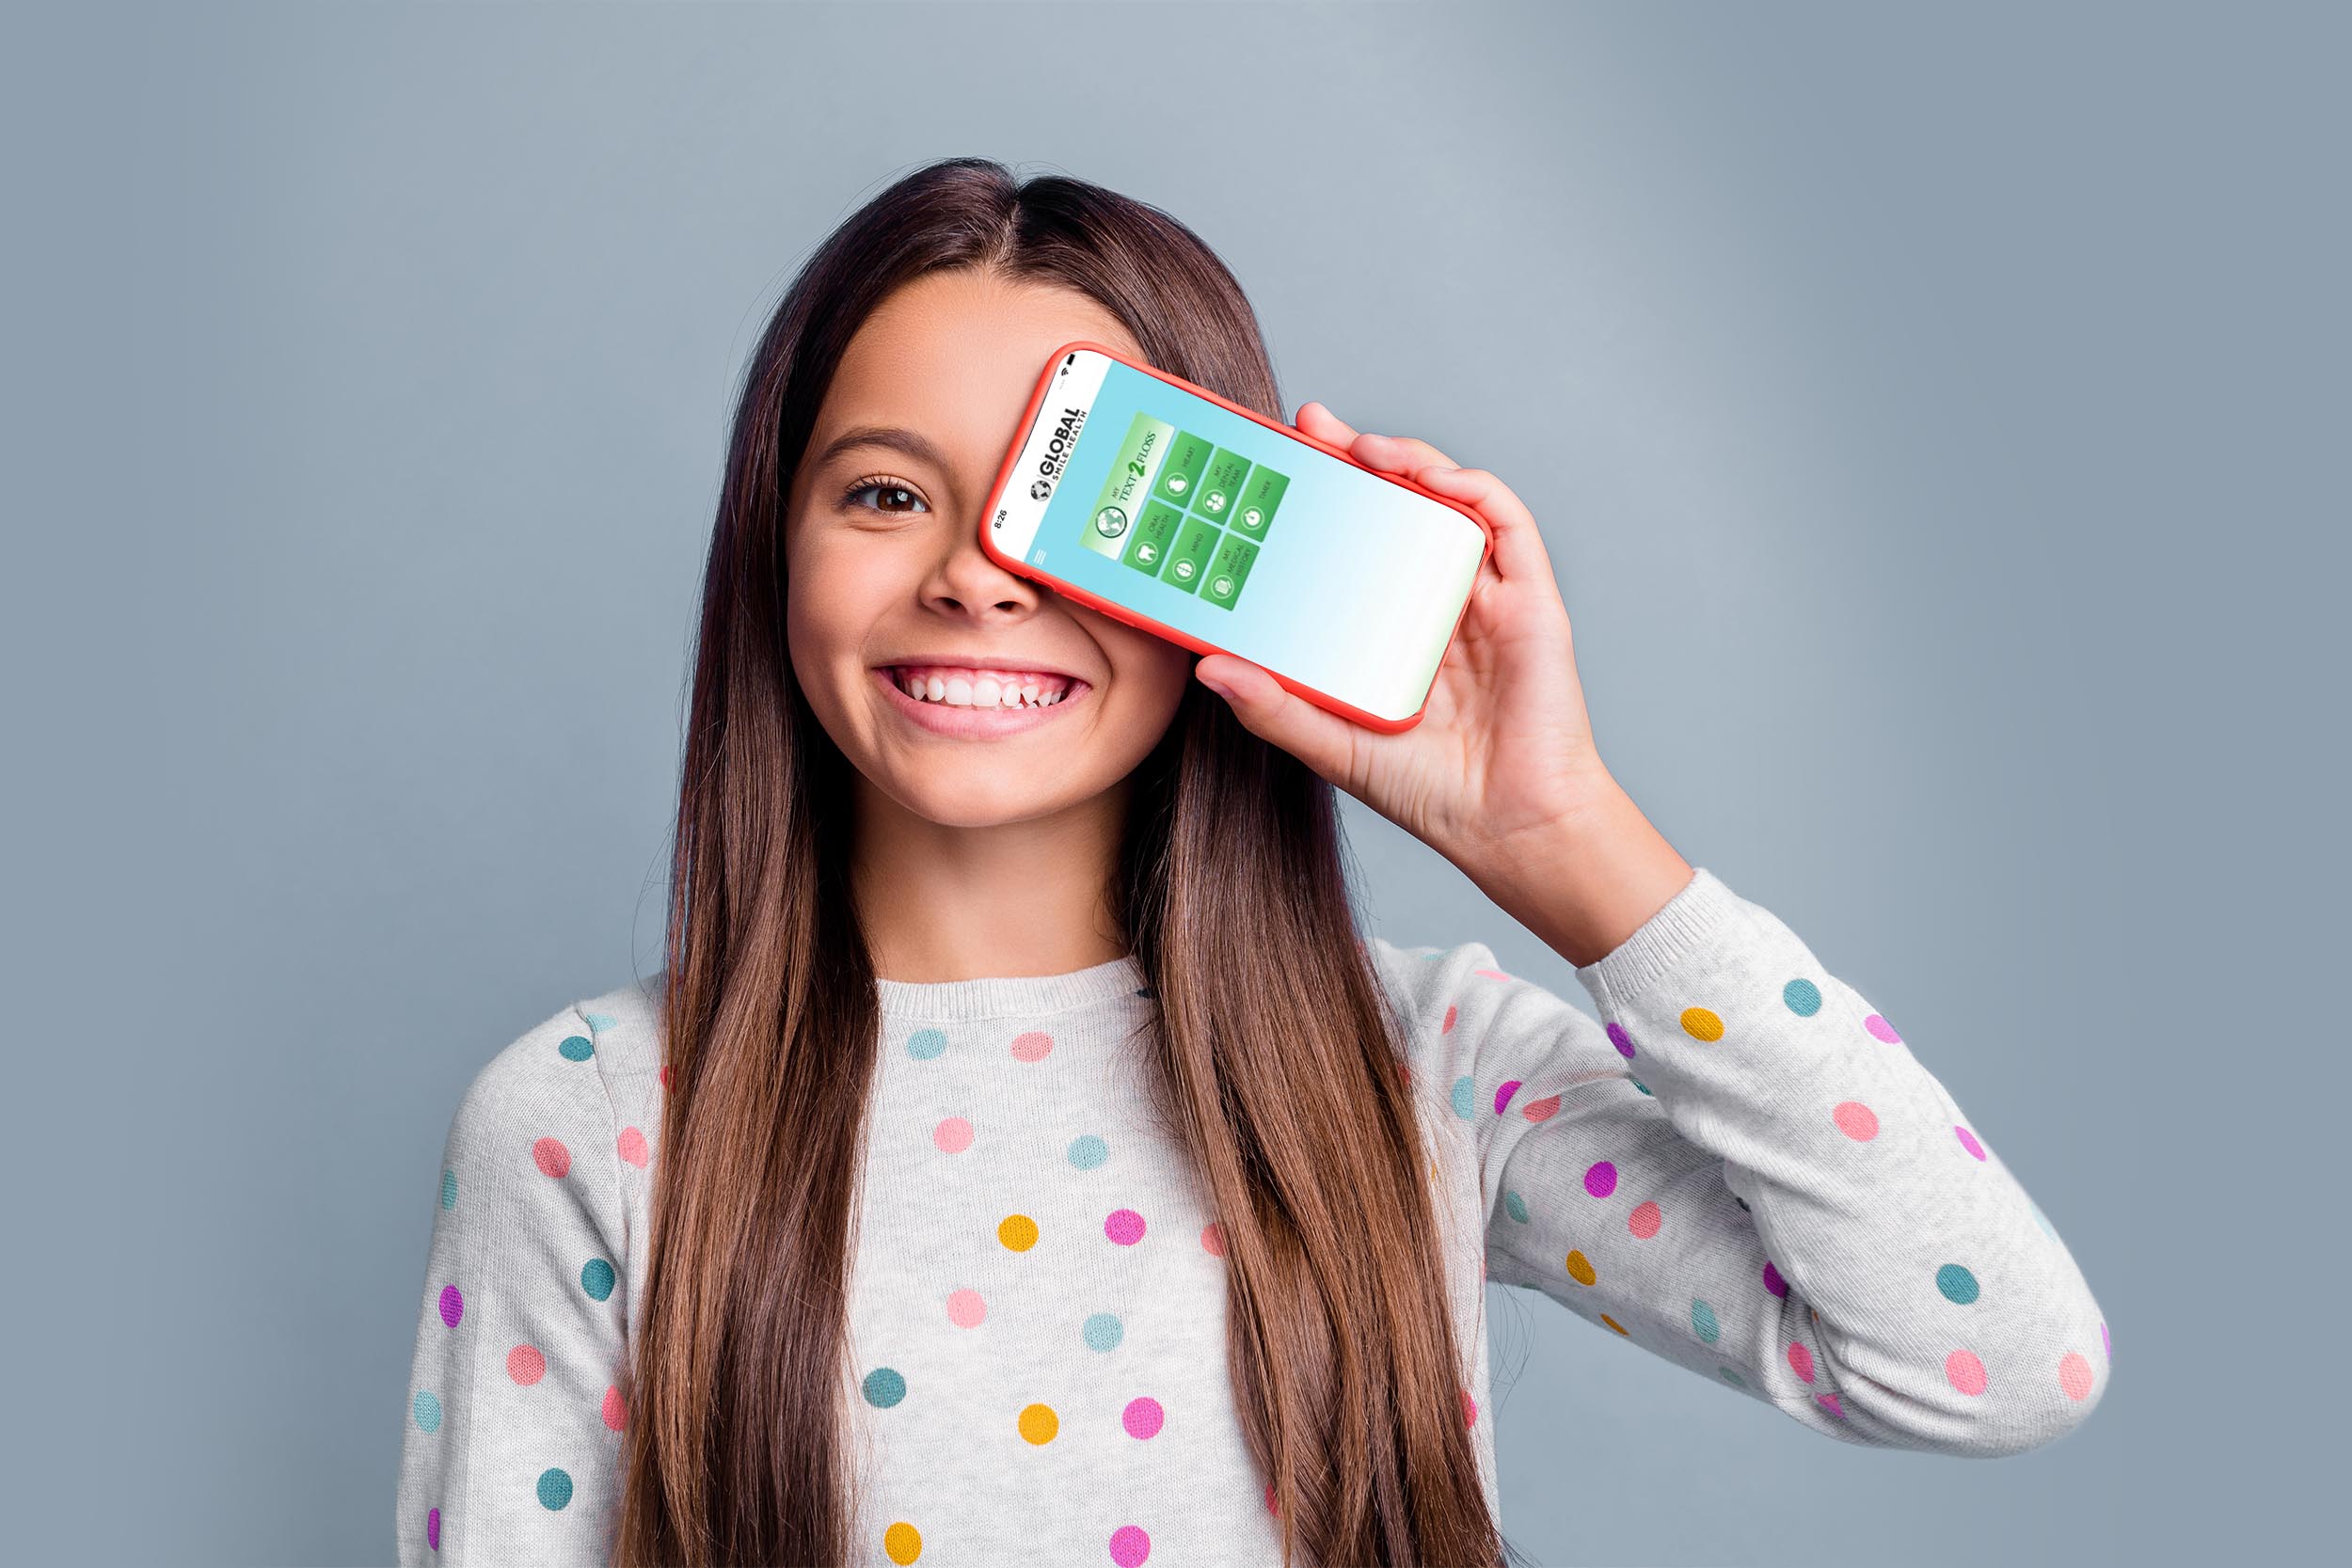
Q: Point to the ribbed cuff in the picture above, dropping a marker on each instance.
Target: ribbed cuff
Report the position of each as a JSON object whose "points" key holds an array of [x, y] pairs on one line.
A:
{"points": [[1691, 918]]}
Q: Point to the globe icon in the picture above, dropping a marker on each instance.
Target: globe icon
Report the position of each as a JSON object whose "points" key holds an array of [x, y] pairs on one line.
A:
{"points": [[1110, 522]]}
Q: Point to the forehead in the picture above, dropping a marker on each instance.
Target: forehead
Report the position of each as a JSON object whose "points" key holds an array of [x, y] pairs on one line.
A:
{"points": [[954, 356]]}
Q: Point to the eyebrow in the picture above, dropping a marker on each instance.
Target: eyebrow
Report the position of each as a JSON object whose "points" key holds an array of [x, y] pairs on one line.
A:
{"points": [[912, 443]]}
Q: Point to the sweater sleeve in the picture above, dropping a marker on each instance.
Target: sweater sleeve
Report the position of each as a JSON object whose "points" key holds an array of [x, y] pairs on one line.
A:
{"points": [[1746, 1171], [511, 1448]]}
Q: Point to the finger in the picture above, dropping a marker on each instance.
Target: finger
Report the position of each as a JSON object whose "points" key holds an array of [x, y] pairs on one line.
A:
{"points": [[1519, 553], [1269, 710], [1399, 454], [1324, 425]]}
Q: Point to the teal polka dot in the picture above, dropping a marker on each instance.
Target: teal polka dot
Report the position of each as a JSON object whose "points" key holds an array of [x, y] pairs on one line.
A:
{"points": [[1703, 1321], [1733, 1378], [1802, 996], [576, 1047], [1087, 1152], [1644, 1087], [449, 1189], [885, 1387], [1957, 1284], [597, 1278], [599, 1021], [555, 1488], [1515, 1205], [926, 1044], [1104, 1331], [428, 1411], [1465, 1098]]}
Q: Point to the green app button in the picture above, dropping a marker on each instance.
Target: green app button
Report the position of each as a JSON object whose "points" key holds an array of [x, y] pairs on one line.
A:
{"points": [[1187, 561], [1126, 490], [1147, 548], [1180, 471], [1221, 486], [1259, 497], [1221, 584]]}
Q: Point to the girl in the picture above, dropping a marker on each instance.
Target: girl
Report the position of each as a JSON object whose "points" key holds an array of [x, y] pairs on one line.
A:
{"points": [[1022, 1158]]}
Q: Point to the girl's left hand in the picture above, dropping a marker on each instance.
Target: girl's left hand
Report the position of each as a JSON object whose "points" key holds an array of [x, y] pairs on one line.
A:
{"points": [[1503, 746]]}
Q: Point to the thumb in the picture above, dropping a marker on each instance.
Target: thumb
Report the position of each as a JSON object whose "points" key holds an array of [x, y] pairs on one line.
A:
{"points": [[1269, 710]]}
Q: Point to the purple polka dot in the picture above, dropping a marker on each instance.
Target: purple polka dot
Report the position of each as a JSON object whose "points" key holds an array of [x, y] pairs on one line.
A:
{"points": [[1130, 1545], [1773, 1281], [1143, 1417], [433, 1529], [1882, 1029], [1600, 1178], [1623, 1041], [453, 1305], [1503, 1095], [1125, 1226], [1969, 1142], [1828, 1403]]}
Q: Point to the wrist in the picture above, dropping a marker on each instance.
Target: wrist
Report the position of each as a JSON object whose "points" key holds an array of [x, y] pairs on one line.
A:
{"points": [[1584, 879]]}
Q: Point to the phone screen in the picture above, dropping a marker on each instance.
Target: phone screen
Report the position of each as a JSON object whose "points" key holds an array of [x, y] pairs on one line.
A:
{"points": [[1207, 521]]}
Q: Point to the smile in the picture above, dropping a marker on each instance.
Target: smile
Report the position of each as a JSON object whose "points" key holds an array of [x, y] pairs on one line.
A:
{"points": [[971, 720]]}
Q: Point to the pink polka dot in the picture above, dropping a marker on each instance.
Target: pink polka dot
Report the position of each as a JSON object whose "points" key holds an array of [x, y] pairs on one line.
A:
{"points": [[1125, 1226], [1143, 1417], [1272, 1506], [1212, 1239], [1450, 1014], [1541, 1110], [1856, 1121], [615, 1410], [633, 1147], [1469, 1409], [665, 1076], [2075, 1376], [551, 1156], [1801, 1360], [1600, 1177], [1032, 1046], [1964, 1372], [1503, 1095], [965, 1308], [1968, 1141], [1828, 1403], [1491, 974], [1882, 1029], [1130, 1545], [953, 1136], [1645, 1220], [525, 1365], [1773, 1281]]}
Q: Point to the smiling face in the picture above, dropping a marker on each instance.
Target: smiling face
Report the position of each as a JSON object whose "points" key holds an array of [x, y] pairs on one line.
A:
{"points": [[884, 567]]}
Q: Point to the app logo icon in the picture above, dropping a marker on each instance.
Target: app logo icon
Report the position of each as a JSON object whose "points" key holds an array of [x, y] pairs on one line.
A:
{"points": [[1042, 489]]}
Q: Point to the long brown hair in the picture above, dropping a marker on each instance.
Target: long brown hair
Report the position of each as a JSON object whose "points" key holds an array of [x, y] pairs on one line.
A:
{"points": [[1275, 1052]]}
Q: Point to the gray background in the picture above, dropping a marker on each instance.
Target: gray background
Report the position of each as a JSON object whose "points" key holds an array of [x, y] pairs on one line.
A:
{"points": [[1924, 413]]}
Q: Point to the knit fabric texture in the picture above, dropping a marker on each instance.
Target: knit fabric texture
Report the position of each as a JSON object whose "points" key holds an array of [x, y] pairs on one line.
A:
{"points": [[1742, 1169]]}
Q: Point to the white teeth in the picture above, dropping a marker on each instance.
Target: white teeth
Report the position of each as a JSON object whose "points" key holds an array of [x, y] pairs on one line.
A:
{"points": [[987, 691]]}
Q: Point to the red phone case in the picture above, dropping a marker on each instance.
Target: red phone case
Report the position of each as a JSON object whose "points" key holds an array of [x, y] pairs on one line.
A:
{"points": [[1135, 618]]}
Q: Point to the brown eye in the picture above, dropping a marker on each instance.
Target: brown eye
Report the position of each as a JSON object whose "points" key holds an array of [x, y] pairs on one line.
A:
{"points": [[893, 492]]}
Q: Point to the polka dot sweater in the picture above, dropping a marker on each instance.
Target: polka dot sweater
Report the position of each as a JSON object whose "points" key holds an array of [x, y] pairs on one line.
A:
{"points": [[1742, 1169]]}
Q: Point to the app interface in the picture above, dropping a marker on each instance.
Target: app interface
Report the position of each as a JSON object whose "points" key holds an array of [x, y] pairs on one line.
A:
{"points": [[1219, 527]]}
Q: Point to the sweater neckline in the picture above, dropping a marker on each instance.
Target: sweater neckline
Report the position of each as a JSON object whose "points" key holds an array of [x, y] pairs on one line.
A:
{"points": [[1119, 980]]}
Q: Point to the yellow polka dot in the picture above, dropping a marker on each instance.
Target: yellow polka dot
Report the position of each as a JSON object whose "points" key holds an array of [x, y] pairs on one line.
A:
{"points": [[903, 1541], [1038, 1423], [1700, 1024], [1019, 1232], [1614, 1323], [1580, 1269]]}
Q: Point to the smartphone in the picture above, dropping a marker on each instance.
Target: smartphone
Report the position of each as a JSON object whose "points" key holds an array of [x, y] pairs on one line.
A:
{"points": [[1161, 504]]}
